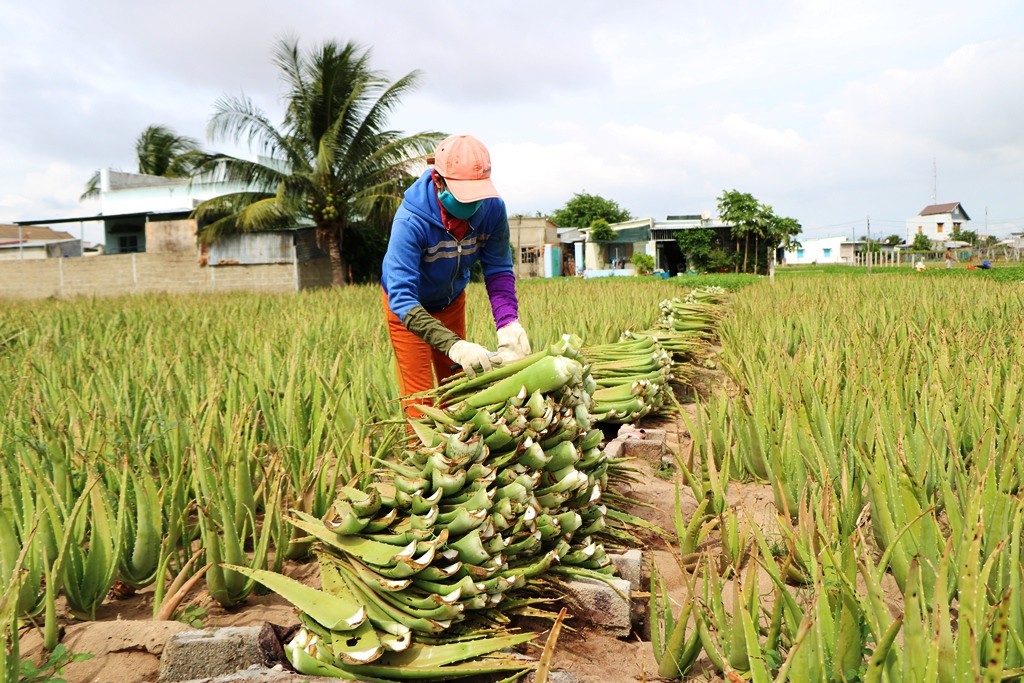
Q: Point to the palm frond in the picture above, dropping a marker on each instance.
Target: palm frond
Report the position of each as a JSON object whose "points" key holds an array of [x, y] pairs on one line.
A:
{"points": [[240, 212], [92, 187], [238, 118]]}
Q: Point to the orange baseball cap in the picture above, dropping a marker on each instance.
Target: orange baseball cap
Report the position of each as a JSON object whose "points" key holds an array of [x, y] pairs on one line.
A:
{"points": [[465, 165]]}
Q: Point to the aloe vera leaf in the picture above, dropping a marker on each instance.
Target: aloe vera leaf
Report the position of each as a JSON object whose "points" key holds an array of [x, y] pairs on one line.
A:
{"points": [[334, 612]]}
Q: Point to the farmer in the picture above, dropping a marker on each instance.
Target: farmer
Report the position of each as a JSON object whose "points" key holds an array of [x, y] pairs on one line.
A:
{"points": [[451, 218]]}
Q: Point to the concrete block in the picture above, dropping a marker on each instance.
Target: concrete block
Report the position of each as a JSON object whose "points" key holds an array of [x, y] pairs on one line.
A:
{"points": [[603, 605], [554, 676], [259, 674], [210, 652], [614, 449], [648, 444], [628, 565], [652, 451], [630, 431]]}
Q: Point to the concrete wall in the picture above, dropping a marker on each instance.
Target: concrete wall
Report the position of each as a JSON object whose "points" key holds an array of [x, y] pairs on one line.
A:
{"points": [[171, 237], [24, 253], [120, 274]]}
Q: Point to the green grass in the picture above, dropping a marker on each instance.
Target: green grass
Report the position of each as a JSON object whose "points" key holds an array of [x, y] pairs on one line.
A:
{"points": [[730, 281], [999, 273]]}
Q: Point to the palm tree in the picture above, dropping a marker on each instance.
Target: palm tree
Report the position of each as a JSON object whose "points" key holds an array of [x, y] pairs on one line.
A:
{"points": [[158, 151], [331, 163], [161, 152]]}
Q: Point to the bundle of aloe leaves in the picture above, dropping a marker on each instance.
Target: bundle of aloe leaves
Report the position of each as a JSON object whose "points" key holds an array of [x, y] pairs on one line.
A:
{"points": [[501, 485]]}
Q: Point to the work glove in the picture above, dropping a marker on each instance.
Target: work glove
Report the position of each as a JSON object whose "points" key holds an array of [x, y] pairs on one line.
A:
{"points": [[473, 358], [513, 343]]}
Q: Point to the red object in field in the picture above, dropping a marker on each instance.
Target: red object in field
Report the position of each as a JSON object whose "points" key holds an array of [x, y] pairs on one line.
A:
{"points": [[971, 266]]}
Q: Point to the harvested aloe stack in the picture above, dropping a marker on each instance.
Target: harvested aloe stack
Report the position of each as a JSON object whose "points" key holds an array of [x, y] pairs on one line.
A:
{"points": [[686, 327], [502, 484], [632, 377]]}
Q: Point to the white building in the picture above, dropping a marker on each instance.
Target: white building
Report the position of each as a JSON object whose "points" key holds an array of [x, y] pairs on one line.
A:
{"points": [[650, 236], [937, 222], [821, 250], [131, 203]]}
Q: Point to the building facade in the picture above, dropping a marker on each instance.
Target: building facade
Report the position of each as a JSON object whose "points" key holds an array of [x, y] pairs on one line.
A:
{"points": [[822, 250], [938, 222], [535, 243]]}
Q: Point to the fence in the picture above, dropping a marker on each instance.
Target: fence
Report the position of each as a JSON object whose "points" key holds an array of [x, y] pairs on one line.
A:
{"points": [[111, 275]]}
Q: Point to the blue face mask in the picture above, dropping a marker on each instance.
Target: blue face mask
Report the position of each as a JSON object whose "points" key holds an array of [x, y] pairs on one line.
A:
{"points": [[456, 208]]}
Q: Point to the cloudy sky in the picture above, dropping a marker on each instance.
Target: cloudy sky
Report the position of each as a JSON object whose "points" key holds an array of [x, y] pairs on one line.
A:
{"points": [[830, 112]]}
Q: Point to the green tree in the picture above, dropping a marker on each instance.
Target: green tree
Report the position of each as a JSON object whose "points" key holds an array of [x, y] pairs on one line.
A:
{"points": [[921, 243], [601, 231], [873, 246], [969, 237], [159, 151], [583, 209], [778, 231], [892, 240], [750, 219], [332, 162], [695, 244], [704, 250], [644, 263], [743, 212]]}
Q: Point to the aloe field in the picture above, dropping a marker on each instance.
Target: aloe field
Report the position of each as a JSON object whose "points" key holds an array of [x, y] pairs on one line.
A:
{"points": [[148, 442], [884, 413], [161, 444]]}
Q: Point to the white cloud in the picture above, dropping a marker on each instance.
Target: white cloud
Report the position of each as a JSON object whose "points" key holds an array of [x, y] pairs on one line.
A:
{"points": [[828, 112]]}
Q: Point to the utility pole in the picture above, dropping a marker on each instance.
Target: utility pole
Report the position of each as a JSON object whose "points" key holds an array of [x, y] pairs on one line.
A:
{"points": [[869, 244]]}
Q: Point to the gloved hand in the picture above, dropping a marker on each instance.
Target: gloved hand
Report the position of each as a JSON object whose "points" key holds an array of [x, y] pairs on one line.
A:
{"points": [[513, 343], [473, 358]]}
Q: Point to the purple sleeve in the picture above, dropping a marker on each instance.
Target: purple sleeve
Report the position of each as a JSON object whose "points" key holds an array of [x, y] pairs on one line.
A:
{"points": [[501, 290]]}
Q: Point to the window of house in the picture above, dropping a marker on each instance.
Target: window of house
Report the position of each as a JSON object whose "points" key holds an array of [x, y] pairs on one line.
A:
{"points": [[528, 255], [920, 229], [956, 227], [799, 253], [938, 227], [127, 244], [828, 253]]}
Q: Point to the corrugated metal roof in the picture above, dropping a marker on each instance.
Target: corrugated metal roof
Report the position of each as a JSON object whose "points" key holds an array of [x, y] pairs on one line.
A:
{"points": [[101, 217]]}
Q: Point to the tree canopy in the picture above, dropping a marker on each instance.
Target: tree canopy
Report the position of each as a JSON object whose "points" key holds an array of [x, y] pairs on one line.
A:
{"points": [[921, 243], [583, 209], [752, 220], [332, 162], [601, 231]]}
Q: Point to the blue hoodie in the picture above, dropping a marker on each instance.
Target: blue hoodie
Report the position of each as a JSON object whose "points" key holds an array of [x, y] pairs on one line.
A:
{"points": [[425, 265]]}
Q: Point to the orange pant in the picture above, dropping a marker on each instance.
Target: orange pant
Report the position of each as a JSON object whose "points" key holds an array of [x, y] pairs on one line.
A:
{"points": [[416, 362]]}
